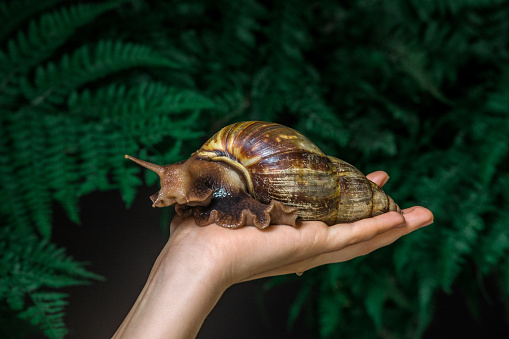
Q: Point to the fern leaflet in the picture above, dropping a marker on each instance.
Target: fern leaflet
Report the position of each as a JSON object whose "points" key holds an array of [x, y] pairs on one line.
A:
{"points": [[87, 64]]}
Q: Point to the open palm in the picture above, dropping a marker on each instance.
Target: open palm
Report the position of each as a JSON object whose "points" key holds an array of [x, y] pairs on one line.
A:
{"points": [[250, 253]]}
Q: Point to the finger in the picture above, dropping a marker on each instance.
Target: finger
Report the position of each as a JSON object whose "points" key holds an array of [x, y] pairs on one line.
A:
{"points": [[411, 218], [378, 177], [363, 248], [345, 254], [343, 235], [337, 238], [415, 218], [388, 229], [418, 216]]}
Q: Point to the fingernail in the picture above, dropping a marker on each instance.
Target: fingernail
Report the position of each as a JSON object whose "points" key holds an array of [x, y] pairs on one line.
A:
{"points": [[385, 181]]}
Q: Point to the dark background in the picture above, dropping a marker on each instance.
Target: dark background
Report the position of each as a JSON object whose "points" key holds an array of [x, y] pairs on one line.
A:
{"points": [[417, 88]]}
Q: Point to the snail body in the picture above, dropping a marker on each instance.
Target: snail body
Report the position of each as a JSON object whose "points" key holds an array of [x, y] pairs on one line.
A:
{"points": [[259, 173]]}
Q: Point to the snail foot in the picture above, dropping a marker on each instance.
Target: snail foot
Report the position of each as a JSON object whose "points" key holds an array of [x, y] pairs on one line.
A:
{"points": [[240, 209]]}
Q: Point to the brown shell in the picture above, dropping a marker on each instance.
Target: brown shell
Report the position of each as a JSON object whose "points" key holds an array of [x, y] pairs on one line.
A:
{"points": [[261, 173], [279, 163]]}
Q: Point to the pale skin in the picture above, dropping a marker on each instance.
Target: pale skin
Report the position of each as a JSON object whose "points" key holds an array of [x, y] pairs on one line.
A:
{"points": [[199, 263]]}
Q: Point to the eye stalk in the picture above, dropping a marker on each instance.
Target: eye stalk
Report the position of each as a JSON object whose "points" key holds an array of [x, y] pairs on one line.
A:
{"points": [[175, 183], [153, 167]]}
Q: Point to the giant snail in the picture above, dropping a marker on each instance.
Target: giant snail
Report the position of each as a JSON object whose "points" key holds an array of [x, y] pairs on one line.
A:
{"points": [[260, 173]]}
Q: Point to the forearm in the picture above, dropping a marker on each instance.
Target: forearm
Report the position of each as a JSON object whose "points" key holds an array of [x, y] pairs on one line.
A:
{"points": [[176, 299]]}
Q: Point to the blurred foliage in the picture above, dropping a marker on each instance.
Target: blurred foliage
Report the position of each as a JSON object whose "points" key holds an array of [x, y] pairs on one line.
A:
{"points": [[417, 88]]}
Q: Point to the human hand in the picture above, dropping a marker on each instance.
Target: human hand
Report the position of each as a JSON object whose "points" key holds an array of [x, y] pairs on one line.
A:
{"points": [[249, 253], [199, 263]]}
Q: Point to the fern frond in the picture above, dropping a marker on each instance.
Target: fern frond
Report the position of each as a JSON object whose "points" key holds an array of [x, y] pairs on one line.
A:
{"points": [[495, 146], [29, 145], [13, 13], [40, 263], [99, 152], [298, 304], [428, 286], [240, 23], [330, 307], [410, 251], [494, 246], [458, 245], [86, 64], [115, 103], [45, 35], [449, 7], [10, 186], [28, 266], [62, 169], [413, 62], [162, 110], [47, 313], [374, 302], [127, 180]]}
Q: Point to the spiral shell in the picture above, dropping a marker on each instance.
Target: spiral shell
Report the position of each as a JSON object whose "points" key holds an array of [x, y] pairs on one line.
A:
{"points": [[280, 163]]}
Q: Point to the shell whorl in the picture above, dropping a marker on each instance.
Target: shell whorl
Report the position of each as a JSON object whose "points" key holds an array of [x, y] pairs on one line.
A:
{"points": [[278, 163]]}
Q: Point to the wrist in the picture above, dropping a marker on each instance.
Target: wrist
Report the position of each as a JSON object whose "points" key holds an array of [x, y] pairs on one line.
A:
{"points": [[182, 289], [193, 258], [197, 275]]}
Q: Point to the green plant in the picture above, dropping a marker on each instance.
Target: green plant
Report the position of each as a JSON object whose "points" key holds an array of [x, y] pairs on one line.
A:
{"points": [[66, 120], [416, 88]]}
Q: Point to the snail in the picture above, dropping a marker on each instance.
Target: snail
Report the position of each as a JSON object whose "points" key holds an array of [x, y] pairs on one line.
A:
{"points": [[260, 173]]}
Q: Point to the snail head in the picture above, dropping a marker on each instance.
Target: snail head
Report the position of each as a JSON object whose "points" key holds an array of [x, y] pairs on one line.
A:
{"points": [[176, 185]]}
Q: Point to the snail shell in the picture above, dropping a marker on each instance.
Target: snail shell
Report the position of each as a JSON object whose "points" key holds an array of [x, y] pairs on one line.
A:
{"points": [[260, 173]]}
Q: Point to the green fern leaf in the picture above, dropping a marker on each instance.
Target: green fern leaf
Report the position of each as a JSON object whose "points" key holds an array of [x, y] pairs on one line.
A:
{"points": [[116, 103], [27, 267], [47, 313], [498, 101], [494, 246], [10, 186], [13, 13], [86, 64], [330, 313], [458, 245], [44, 36], [62, 169], [374, 302], [297, 305], [29, 143], [127, 180], [427, 288], [162, 110]]}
